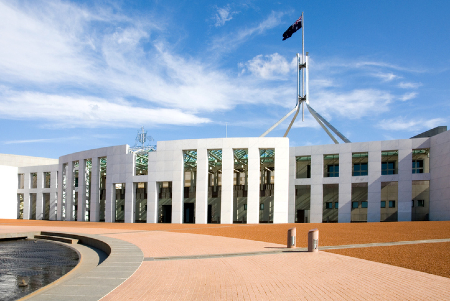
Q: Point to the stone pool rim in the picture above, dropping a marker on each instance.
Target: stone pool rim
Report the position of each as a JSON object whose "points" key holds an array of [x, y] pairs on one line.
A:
{"points": [[88, 280]]}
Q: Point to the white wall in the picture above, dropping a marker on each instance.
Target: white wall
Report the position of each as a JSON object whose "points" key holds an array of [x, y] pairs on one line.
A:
{"points": [[8, 188]]}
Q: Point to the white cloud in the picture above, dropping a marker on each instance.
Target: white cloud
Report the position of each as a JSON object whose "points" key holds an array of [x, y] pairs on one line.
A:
{"points": [[408, 96], [353, 104], [402, 124], [273, 66], [49, 140], [79, 111], [233, 40], [223, 15], [406, 85], [387, 77]]}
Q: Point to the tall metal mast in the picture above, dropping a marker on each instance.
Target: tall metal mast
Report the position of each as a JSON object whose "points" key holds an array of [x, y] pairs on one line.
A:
{"points": [[303, 96]]}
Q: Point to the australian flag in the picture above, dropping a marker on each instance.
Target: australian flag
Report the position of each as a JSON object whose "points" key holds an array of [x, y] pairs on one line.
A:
{"points": [[293, 28]]}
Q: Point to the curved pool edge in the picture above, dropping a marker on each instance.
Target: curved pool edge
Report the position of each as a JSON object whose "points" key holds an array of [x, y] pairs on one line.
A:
{"points": [[88, 280]]}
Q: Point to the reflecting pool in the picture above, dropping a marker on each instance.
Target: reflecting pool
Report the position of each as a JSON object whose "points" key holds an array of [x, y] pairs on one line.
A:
{"points": [[34, 262]]}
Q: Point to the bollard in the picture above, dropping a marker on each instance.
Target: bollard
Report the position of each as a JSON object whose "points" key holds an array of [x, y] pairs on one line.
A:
{"points": [[291, 237], [313, 240]]}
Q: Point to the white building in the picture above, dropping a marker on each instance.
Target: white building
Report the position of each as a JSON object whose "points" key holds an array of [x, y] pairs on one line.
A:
{"points": [[235, 180]]}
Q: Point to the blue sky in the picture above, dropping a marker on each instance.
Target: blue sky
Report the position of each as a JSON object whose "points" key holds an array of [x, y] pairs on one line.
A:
{"points": [[77, 75]]}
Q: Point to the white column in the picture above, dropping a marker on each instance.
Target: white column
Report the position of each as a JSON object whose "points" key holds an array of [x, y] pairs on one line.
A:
{"points": [[59, 206], [404, 184], [94, 203], [53, 195], [53, 205], [26, 203], [69, 191], [39, 203], [152, 202], [253, 185], [292, 177], [374, 183], [226, 206], [201, 195], [177, 188], [81, 190], [345, 187], [110, 202], [316, 205], [130, 196], [281, 203]]}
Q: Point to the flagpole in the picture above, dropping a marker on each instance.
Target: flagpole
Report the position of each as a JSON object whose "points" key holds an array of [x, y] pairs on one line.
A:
{"points": [[303, 62]]}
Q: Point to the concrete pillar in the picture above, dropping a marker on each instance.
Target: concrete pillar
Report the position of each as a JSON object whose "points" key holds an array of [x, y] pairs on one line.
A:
{"points": [[226, 208], [374, 183], [253, 185], [81, 190], [178, 188], [281, 185], [404, 184], [345, 187], [316, 206], [94, 202], [39, 203], [130, 204], [53, 195], [201, 200], [26, 204], [69, 192], [152, 202]]}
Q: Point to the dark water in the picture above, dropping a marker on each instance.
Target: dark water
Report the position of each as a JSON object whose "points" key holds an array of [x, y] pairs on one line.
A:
{"points": [[37, 262]]}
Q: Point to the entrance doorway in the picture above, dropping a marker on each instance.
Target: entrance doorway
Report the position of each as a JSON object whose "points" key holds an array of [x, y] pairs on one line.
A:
{"points": [[166, 214], [188, 213]]}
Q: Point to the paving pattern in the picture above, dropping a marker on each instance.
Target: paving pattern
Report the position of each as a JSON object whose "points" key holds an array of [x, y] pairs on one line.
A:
{"points": [[259, 270]]}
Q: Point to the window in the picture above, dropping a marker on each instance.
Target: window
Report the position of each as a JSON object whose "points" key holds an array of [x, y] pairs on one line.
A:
{"points": [[388, 168], [360, 169], [420, 203], [355, 205], [391, 204], [303, 167], [336, 205], [122, 207], [364, 204], [261, 206], [412, 205], [332, 171], [329, 205], [245, 206], [417, 166], [383, 204]]}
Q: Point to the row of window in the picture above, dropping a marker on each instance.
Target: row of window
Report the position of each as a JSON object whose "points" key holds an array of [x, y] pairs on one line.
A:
{"points": [[364, 204], [361, 169], [33, 180]]}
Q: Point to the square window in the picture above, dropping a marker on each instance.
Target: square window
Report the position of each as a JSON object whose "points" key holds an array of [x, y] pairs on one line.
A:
{"points": [[383, 204], [391, 204], [364, 204], [336, 205], [329, 205], [420, 203], [355, 205]]}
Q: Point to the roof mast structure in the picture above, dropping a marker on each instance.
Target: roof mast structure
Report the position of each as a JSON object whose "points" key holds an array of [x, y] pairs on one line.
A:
{"points": [[303, 91]]}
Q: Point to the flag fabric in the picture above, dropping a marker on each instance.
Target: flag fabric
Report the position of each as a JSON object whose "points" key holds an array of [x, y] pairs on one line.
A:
{"points": [[293, 28]]}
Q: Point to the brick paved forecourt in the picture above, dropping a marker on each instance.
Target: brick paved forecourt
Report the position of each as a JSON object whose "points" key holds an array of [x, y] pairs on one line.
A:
{"points": [[187, 266]]}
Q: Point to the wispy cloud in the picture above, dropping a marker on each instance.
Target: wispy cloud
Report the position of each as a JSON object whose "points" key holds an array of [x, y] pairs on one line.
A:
{"points": [[232, 40], [408, 96], [273, 66], [49, 140], [223, 15], [404, 124], [386, 76], [406, 85]]}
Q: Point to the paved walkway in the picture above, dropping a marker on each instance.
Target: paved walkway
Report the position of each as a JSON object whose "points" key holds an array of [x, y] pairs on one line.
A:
{"points": [[201, 267]]}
